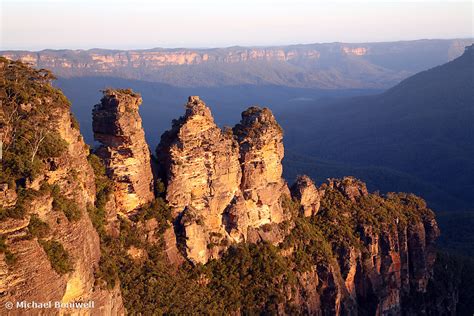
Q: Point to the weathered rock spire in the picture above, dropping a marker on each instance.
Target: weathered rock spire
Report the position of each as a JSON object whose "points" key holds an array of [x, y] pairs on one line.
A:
{"points": [[215, 194], [201, 168], [261, 150], [118, 127]]}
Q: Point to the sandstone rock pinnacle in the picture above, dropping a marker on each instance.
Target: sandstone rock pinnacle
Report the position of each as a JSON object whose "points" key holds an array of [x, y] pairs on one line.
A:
{"points": [[201, 168], [222, 183], [261, 152], [307, 194], [118, 127]]}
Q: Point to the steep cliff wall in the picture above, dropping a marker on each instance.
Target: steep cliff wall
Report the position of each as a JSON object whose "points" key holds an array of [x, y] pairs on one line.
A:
{"points": [[383, 251], [201, 168], [49, 247], [117, 126], [262, 187]]}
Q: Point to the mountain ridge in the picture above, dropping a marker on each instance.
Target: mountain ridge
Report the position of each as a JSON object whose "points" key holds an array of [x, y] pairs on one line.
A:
{"points": [[327, 65], [422, 126]]}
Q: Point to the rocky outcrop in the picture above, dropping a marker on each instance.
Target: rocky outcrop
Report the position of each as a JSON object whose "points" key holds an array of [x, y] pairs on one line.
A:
{"points": [[117, 126], [261, 152], [27, 272], [307, 194], [201, 168], [350, 187], [219, 187], [387, 269]]}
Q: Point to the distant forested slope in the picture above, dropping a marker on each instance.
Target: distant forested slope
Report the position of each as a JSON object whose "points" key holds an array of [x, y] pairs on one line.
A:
{"points": [[417, 136]]}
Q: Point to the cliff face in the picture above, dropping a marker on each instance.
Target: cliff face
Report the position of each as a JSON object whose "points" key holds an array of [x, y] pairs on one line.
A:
{"points": [[262, 187], [52, 249], [117, 126], [329, 65], [335, 249], [382, 272], [219, 187]]}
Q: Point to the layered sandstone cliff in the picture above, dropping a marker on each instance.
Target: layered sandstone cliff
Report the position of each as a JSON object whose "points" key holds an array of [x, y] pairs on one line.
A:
{"points": [[201, 168], [326, 65], [49, 207], [117, 126], [384, 269], [262, 187]]}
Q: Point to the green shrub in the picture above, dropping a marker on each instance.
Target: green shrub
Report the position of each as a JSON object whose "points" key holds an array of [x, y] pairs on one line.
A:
{"points": [[30, 102], [52, 146], [37, 228], [157, 209], [58, 256], [68, 206], [10, 258]]}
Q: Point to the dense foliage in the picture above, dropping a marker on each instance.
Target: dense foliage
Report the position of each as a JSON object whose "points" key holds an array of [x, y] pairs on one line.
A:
{"points": [[65, 205], [28, 107], [58, 256]]}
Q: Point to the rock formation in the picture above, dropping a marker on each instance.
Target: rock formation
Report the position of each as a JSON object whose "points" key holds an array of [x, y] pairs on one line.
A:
{"points": [[383, 272], [350, 187], [261, 152], [307, 194], [202, 173], [347, 252], [117, 126], [63, 177], [218, 186]]}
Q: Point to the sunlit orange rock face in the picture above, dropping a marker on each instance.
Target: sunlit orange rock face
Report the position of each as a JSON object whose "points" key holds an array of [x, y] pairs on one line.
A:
{"points": [[222, 186], [358, 51], [117, 126]]}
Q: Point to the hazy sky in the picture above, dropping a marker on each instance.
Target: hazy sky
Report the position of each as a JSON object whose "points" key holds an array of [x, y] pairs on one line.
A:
{"points": [[39, 24]]}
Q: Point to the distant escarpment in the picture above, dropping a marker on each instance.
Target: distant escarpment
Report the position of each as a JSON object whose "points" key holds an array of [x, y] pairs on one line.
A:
{"points": [[208, 227], [325, 65]]}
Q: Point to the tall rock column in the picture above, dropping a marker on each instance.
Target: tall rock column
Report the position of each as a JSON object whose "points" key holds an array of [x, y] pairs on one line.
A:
{"points": [[118, 127], [200, 164], [261, 152]]}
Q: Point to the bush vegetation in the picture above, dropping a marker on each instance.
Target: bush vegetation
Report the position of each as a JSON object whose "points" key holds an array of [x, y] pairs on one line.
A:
{"points": [[29, 106], [37, 228], [10, 258], [63, 204], [251, 278], [58, 256]]}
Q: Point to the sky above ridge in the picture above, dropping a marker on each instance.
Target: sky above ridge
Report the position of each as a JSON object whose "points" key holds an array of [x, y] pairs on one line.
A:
{"points": [[121, 24]]}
